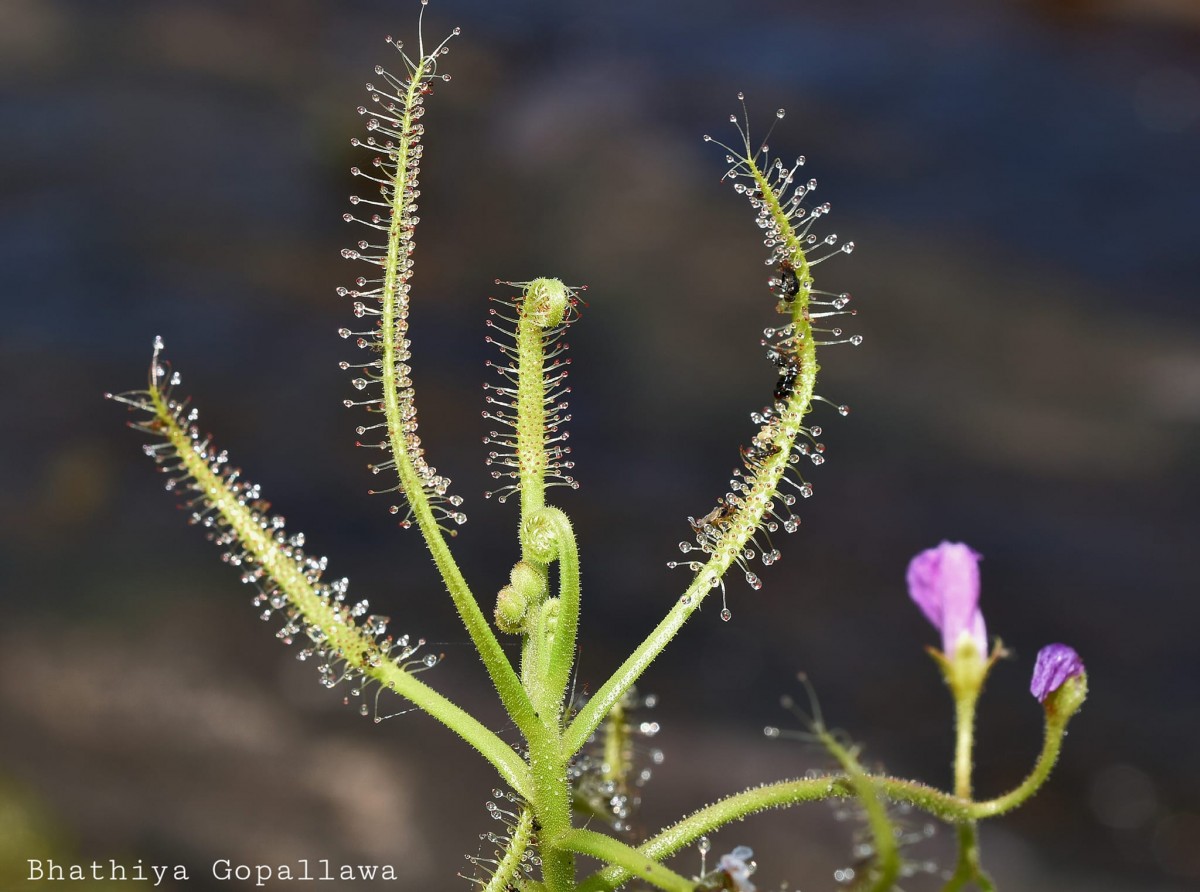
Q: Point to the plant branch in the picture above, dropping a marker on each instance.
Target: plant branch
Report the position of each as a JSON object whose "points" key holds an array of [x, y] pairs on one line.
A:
{"points": [[630, 861], [773, 449], [400, 413]]}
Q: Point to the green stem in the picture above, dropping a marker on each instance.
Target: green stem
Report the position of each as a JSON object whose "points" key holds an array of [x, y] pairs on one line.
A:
{"points": [[706, 820], [1051, 747], [886, 863], [928, 799], [966, 696], [964, 742], [514, 772], [505, 679], [562, 646], [549, 650], [610, 693], [616, 765], [778, 795], [551, 803], [967, 867], [634, 862]]}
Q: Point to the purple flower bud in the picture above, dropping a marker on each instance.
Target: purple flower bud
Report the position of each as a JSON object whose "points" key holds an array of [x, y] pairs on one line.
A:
{"points": [[1055, 664], [944, 583]]}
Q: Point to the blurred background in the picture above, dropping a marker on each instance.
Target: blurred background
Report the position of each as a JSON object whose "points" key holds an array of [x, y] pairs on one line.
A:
{"points": [[1021, 181]]}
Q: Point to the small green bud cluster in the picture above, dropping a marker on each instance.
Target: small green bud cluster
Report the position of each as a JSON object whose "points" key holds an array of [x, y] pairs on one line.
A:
{"points": [[527, 587]]}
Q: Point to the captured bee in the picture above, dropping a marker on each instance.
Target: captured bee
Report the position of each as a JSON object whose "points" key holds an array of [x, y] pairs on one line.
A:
{"points": [[785, 283], [716, 519], [789, 370], [758, 452], [786, 383]]}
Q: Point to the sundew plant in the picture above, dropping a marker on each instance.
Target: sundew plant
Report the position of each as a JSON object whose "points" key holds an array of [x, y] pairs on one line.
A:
{"points": [[570, 770]]}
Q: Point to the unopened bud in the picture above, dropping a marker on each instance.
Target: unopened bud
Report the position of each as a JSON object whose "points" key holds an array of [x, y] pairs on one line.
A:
{"points": [[546, 302], [511, 607], [538, 537], [1059, 680], [529, 581]]}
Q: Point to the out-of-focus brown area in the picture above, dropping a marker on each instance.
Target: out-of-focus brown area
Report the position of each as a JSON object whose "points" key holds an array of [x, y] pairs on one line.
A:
{"points": [[1022, 185]]}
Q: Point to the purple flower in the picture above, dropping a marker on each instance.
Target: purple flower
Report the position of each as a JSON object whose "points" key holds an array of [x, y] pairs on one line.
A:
{"points": [[1055, 664], [944, 583]]}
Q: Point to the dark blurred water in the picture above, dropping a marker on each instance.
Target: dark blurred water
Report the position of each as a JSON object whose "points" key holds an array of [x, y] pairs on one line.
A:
{"points": [[1022, 185]]}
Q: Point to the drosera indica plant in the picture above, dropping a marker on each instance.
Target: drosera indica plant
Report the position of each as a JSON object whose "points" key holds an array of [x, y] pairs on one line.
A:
{"points": [[578, 764]]}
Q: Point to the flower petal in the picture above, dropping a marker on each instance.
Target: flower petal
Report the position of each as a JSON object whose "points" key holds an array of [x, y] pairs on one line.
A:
{"points": [[1055, 664], [944, 583]]}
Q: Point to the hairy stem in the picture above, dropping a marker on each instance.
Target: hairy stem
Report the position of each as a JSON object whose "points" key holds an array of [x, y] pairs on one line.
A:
{"points": [[633, 862], [781, 794], [886, 862], [968, 867], [616, 764], [964, 742], [551, 802], [706, 820], [1051, 747], [562, 644]]}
